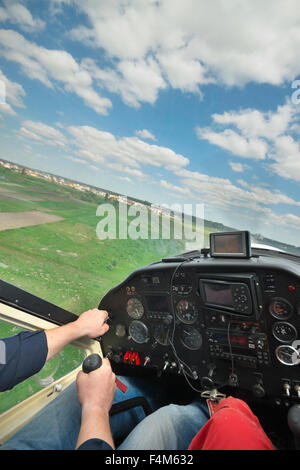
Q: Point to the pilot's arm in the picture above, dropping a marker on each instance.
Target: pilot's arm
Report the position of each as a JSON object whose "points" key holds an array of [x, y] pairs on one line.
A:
{"points": [[95, 394], [23, 355]]}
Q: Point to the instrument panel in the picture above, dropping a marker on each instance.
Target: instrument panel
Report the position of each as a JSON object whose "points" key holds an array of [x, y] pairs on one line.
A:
{"points": [[221, 319]]}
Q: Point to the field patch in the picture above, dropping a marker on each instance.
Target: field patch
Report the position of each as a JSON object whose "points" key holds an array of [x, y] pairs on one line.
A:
{"points": [[8, 194], [13, 220]]}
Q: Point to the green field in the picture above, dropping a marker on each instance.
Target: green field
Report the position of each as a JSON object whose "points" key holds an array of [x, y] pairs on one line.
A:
{"points": [[64, 262]]}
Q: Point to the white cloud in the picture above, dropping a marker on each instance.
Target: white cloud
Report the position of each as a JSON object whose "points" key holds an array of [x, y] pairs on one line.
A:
{"points": [[286, 156], [123, 155], [99, 146], [16, 13], [254, 124], [136, 81], [150, 46], [235, 143], [268, 136], [42, 133], [51, 67], [244, 208], [222, 193], [120, 168], [175, 188], [13, 95], [125, 178], [238, 167], [75, 159], [192, 43], [145, 134]]}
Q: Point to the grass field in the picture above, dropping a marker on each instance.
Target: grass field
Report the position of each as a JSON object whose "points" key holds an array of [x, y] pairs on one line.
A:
{"points": [[64, 262]]}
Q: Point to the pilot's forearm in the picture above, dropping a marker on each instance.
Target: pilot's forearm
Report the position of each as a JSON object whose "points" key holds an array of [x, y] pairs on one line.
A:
{"points": [[94, 425], [58, 338]]}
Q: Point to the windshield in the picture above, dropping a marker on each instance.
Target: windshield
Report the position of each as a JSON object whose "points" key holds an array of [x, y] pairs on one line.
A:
{"points": [[132, 129]]}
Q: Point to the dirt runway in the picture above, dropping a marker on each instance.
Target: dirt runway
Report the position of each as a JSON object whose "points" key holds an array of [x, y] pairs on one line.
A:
{"points": [[12, 220]]}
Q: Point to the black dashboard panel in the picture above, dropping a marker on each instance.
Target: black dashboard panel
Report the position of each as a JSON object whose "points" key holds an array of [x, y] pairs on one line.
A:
{"points": [[234, 321]]}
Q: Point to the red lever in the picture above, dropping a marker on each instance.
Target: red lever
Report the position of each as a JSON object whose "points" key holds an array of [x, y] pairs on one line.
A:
{"points": [[137, 359], [121, 386], [127, 357]]}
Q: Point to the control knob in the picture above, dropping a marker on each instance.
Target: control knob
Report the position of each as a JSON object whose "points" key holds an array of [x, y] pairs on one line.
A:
{"points": [[258, 390]]}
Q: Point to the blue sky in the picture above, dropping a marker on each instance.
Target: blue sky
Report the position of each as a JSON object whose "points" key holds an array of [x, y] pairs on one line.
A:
{"points": [[166, 101]]}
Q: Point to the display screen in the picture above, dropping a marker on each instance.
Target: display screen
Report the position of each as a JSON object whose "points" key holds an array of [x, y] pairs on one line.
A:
{"points": [[218, 293], [237, 341], [228, 244], [157, 303]]}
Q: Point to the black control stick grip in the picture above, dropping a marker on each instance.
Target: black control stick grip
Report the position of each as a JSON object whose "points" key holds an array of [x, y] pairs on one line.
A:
{"points": [[294, 423], [91, 362]]}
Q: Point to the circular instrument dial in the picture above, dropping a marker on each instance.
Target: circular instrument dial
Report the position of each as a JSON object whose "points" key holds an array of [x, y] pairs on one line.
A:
{"points": [[120, 330], [135, 308], [287, 355], [186, 311], [138, 332], [284, 332], [190, 338], [280, 308]]}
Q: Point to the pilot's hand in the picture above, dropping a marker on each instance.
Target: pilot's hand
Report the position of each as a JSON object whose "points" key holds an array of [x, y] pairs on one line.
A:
{"points": [[92, 323], [96, 390]]}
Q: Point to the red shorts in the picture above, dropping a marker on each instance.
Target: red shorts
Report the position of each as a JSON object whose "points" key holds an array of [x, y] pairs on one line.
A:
{"points": [[232, 427]]}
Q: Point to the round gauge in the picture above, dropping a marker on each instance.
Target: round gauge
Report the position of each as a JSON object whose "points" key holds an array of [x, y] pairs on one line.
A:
{"points": [[287, 355], [280, 308], [135, 308], [284, 332], [138, 332], [191, 338], [161, 335], [120, 330], [186, 312]]}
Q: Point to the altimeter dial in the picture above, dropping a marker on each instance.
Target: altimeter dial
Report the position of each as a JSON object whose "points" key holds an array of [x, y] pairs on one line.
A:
{"points": [[135, 308], [186, 311]]}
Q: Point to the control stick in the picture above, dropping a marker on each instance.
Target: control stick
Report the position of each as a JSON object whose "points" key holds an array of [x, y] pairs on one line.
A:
{"points": [[293, 418], [93, 362], [207, 382]]}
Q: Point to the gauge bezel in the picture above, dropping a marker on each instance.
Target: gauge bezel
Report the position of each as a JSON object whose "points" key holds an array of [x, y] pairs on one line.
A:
{"points": [[276, 299], [180, 317], [135, 298], [145, 328], [182, 341], [285, 346], [284, 340]]}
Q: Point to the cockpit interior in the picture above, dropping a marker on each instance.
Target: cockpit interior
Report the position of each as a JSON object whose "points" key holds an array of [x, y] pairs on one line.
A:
{"points": [[222, 321]]}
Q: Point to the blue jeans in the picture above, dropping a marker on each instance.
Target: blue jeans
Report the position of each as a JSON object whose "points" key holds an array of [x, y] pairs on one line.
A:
{"points": [[56, 427], [169, 428]]}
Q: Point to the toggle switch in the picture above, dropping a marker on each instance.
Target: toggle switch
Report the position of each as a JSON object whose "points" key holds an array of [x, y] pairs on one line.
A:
{"points": [[287, 388], [146, 361], [297, 390]]}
